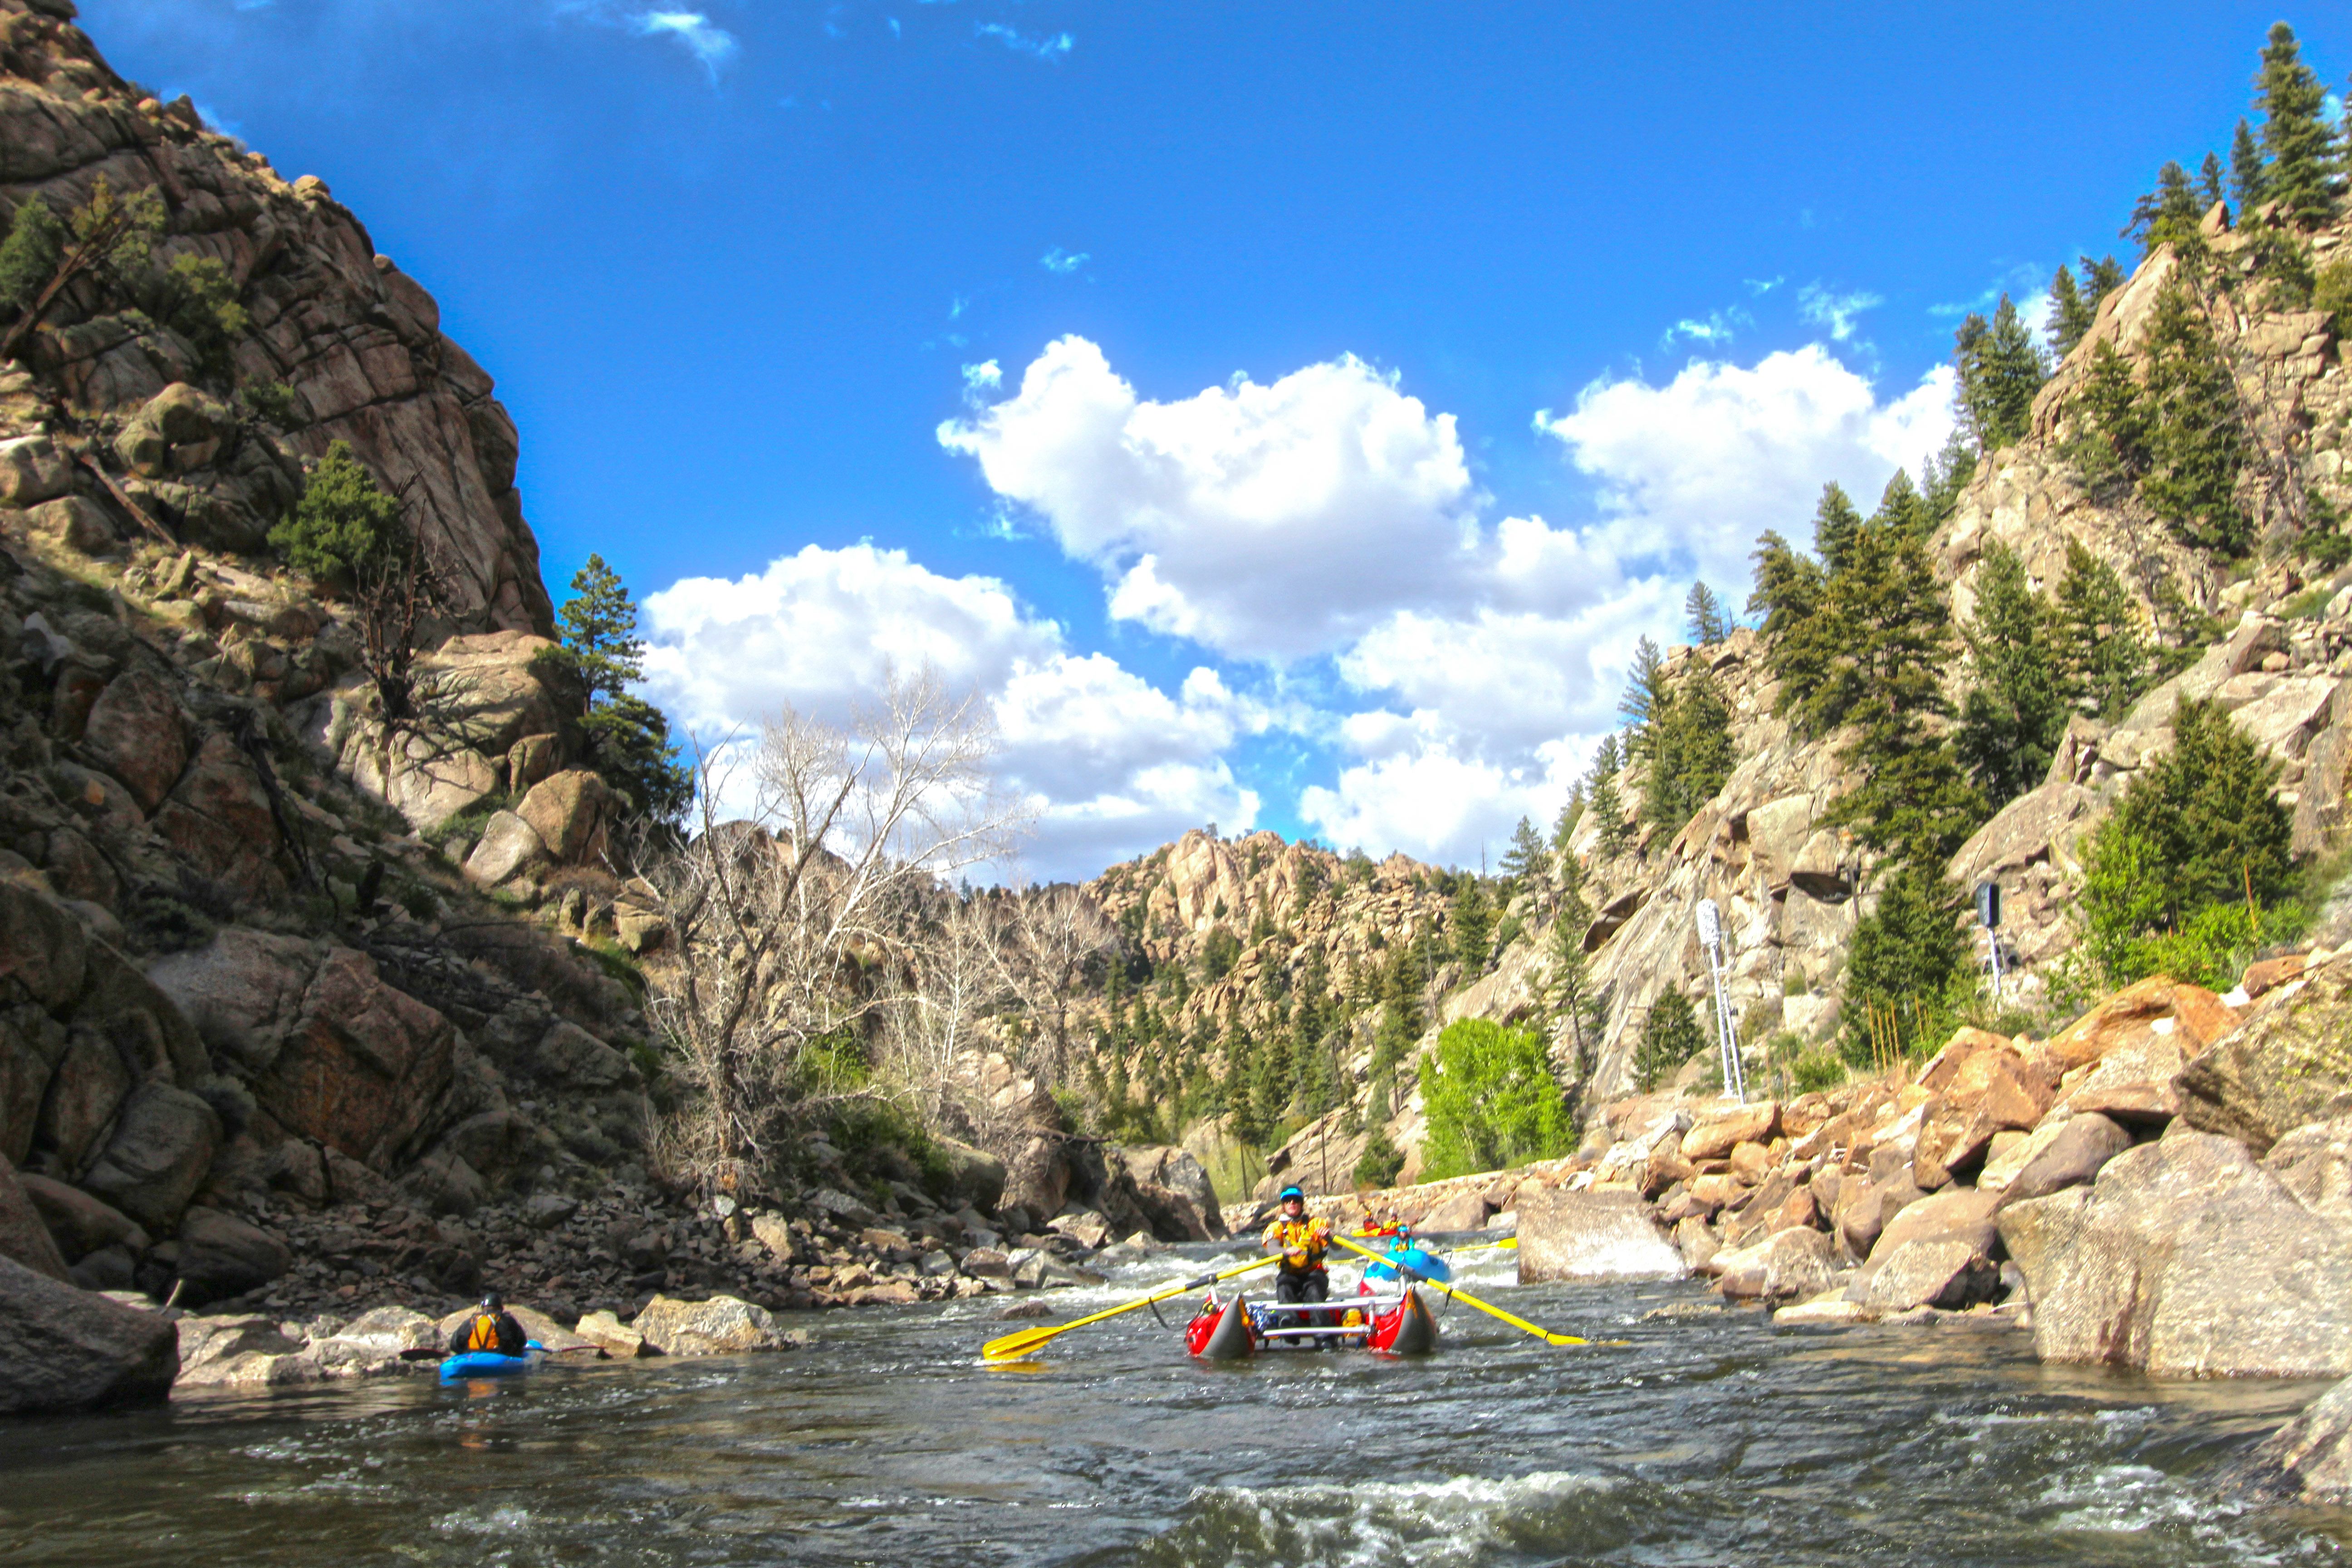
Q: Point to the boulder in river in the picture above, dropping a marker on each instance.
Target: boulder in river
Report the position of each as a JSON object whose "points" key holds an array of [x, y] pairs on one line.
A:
{"points": [[2308, 1461], [2186, 1258], [720, 1326], [62, 1348], [1589, 1236], [612, 1336], [1792, 1262], [1947, 1273]]}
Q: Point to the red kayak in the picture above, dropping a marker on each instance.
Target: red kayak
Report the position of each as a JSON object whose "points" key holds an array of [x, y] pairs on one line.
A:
{"points": [[1402, 1324]]}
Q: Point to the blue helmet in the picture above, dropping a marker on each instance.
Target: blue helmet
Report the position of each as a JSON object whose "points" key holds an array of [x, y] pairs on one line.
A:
{"points": [[1289, 1193]]}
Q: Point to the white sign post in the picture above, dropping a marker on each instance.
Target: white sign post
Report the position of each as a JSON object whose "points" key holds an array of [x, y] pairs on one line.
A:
{"points": [[1727, 1038]]}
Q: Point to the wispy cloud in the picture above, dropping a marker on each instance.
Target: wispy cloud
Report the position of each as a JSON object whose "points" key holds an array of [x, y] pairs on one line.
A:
{"points": [[1056, 259], [1718, 327], [981, 381], [1840, 313], [1044, 48], [1759, 287], [712, 45]]}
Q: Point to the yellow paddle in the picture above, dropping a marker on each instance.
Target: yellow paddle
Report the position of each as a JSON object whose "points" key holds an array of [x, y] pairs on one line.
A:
{"points": [[1027, 1340], [1509, 1243], [1467, 1299]]}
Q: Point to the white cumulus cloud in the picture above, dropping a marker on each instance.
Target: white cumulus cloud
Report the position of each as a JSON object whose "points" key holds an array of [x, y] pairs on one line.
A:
{"points": [[1110, 763], [1268, 522]]}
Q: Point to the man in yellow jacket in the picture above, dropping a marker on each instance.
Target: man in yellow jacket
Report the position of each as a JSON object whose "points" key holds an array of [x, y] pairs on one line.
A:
{"points": [[1302, 1242]]}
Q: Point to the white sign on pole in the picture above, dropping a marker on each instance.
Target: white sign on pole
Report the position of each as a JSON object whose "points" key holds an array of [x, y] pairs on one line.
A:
{"points": [[1727, 1038]]}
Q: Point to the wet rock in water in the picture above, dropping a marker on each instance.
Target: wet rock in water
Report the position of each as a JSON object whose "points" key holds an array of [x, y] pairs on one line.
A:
{"points": [[1795, 1262], [616, 1340], [2185, 1258], [1831, 1308], [243, 1349], [1025, 1311], [2308, 1461], [1698, 1245], [720, 1326], [987, 1263], [1948, 1274], [2288, 1065], [394, 1329], [1591, 1236], [24, 1233], [63, 1347]]}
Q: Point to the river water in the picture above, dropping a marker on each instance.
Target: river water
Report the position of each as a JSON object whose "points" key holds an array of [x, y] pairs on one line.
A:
{"points": [[1708, 1437]]}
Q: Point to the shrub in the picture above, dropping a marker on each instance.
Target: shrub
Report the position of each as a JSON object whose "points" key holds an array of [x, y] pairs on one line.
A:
{"points": [[1670, 1036], [29, 256], [1491, 1101], [1907, 959], [1219, 953], [344, 527]]}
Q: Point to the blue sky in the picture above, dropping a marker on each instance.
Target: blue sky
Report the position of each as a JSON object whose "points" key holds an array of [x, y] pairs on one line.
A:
{"points": [[1285, 415]]}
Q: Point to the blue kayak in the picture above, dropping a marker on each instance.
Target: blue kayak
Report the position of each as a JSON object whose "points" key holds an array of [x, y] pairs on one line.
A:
{"points": [[1426, 1265], [485, 1363]]}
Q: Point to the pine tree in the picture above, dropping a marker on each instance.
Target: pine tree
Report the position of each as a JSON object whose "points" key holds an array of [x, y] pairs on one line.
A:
{"points": [[2295, 133], [2101, 279], [2168, 215], [1802, 641], [1690, 756], [2249, 180], [29, 256], [1670, 1036], [1646, 693], [628, 738], [2209, 181], [345, 529], [1569, 998], [1913, 801], [2015, 711], [1607, 806], [1943, 476], [1474, 927], [1900, 508], [2197, 441], [2070, 318], [1702, 612], [1904, 956], [2113, 435], [2102, 657], [1835, 523], [1564, 826], [1999, 368], [1527, 858]]}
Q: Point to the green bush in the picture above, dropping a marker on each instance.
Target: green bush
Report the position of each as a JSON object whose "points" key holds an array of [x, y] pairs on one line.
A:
{"points": [[1380, 1162], [1219, 953], [29, 256], [1670, 1036], [344, 527], [1908, 967], [1492, 1101]]}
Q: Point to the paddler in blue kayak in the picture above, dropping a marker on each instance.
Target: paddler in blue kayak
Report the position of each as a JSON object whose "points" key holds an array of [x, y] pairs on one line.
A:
{"points": [[1302, 1242], [491, 1328]]}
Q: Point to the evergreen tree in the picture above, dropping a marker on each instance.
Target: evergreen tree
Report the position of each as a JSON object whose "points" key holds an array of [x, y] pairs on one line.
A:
{"points": [[345, 529], [1800, 637], [2101, 279], [2295, 133], [1527, 858], [2113, 441], [29, 256], [1474, 927], [2208, 813], [1913, 801], [1999, 368], [2168, 215], [1691, 755], [1904, 955], [2209, 181], [2197, 441], [1670, 1036], [1646, 693], [1608, 807], [2070, 318], [1705, 615], [628, 738], [1901, 508], [1943, 476], [1569, 1000], [2249, 180], [1835, 523], [2102, 657], [2015, 711], [1564, 826]]}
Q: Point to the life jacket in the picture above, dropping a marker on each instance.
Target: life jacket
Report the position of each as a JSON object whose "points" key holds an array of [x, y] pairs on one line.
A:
{"points": [[485, 1333], [1303, 1242]]}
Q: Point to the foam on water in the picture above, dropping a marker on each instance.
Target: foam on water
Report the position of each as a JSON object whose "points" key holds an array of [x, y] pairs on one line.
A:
{"points": [[1377, 1524]]}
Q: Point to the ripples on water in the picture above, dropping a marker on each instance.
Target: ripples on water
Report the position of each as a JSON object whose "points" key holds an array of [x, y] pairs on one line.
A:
{"points": [[1709, 1439]]}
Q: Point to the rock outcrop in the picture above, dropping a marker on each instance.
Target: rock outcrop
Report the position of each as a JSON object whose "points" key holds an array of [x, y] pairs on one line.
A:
{"points": [[62, 1348]]}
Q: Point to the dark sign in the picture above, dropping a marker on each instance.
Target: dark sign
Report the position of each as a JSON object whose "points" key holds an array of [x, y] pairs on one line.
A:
{"points": [[1989, 904]]}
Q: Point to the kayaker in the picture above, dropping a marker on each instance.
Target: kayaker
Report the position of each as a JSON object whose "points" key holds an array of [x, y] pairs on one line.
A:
{"points": [[491, 1328], [1302, 1242]]}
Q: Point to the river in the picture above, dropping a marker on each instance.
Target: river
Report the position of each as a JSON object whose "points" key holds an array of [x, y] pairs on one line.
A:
{"points": [[1708, 1437]]}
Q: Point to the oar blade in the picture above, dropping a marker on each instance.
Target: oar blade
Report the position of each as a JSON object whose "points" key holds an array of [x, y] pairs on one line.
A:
{"points": [[1013, 1345]]}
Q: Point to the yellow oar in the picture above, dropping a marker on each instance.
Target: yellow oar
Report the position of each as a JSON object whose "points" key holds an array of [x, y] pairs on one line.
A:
{"points": [[1027, 1340], [1465, 1297], [1509, 1243]]}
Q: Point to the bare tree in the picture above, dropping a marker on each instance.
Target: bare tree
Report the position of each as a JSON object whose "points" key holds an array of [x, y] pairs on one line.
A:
{"points": [[792, 928], [940, 1020], [1054, 933]]}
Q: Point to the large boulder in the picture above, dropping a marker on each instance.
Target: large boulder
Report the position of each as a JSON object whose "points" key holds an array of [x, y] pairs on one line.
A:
{"points": [[222, 1256], [569, 811], [134, 732], [508, 844], [720, 1326], [2186, 1258], [331, 1052], [24, 1233], [2055, 1156], [1963, 1215], [80, 1223], [158, 1156], [1159, 1166], [1792, 1262], [1949, 1274], [1589, 1236], [2290, 1063], [1720, 1131], [67, 1349], [2314, 1164]]}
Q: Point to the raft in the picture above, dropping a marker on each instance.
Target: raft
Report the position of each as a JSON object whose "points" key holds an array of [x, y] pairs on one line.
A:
{"points": [[486, 1364], [1234, 1330], [1427, 1265]]}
